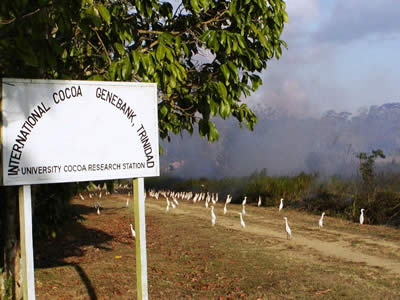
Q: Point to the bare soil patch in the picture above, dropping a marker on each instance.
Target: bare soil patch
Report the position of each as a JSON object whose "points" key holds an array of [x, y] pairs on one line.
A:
{"points": [[190, 259]]}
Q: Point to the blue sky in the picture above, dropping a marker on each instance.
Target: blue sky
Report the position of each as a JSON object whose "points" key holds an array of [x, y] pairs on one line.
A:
{"points": [[343, 55]]}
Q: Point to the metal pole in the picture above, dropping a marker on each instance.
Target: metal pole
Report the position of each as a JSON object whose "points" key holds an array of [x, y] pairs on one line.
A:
{"points": [[25, 222], [140, 228]]}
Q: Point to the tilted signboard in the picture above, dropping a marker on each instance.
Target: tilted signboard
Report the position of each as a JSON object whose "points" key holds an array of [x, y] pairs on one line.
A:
{"points": [[66, 131]]}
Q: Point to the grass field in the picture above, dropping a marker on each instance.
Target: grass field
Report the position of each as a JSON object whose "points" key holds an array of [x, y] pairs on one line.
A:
{"points": [[190, 259]]}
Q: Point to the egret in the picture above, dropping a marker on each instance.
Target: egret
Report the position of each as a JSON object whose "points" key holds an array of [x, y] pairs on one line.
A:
{"points": [[288, 231], [213, 217], [259, 201], [241, 220], [127, 202], [168, 204], [98, 210], [281, 205], [133, 231], [243, 210], [362, 216], [244, 201], [225, 210], [321, 221], [80, 195], [100, 195]]}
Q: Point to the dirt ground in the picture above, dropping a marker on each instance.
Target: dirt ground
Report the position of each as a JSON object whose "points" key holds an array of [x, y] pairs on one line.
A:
{"points": [[190, 259]]}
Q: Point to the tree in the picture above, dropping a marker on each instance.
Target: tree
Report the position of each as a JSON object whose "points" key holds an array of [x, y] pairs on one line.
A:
{"points": [[204, 55], [366, 165]]}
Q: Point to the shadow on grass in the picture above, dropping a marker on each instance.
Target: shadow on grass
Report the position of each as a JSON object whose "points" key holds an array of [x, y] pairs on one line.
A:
{"points": [[70, 243], [86, 281]]}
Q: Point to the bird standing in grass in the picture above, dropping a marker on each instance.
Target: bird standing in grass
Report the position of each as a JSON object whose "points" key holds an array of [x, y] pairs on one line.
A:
{"points": [[281, 205], [288, 231], [259, 201], [362, 216], [213, 217], [98, 210], [133, 231], [127, 202], [168, 204], [242, 221], [321, 221]]}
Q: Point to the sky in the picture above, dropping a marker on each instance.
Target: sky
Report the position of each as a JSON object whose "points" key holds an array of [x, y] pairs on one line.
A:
{"points": [[342, 55]]}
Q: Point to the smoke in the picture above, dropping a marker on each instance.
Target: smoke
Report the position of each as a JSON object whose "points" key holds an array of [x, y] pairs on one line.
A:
{"points": [[285, 144]]}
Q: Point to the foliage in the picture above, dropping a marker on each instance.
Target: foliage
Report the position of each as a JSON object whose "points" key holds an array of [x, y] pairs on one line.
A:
{"points": [[335, 196], [367, 164], [204, 55], [51, 207]]}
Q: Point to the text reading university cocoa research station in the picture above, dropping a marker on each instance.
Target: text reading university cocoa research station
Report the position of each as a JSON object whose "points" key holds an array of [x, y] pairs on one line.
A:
{"points": [[69, 131]]}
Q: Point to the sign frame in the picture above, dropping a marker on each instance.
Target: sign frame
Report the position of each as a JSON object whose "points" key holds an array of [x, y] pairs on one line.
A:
{"points": [[42, 117]]}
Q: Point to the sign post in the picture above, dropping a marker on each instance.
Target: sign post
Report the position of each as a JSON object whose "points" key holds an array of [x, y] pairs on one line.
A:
{"points": [[69, 131], [140, 228], [25, 217]]}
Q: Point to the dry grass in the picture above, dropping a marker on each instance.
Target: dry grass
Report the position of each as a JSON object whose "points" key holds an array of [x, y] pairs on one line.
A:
{"points": [[190, 259]]}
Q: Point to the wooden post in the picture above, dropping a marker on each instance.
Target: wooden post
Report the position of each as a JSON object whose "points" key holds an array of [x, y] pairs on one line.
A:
{"points": [[25, 221], [140, 228]]}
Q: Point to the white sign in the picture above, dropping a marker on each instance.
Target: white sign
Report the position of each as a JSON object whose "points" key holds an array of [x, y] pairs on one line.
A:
{"points": [[67, 131]]}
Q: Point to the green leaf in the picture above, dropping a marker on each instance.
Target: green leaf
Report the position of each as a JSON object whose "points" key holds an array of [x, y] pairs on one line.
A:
{"points": [[136, 61], [213, 134], [119, 48], [160, 54], [163, 111], [126, 68], [222, 90], [285, 17], [224, 109], [104, 13], [213, 107], [225, 71]]}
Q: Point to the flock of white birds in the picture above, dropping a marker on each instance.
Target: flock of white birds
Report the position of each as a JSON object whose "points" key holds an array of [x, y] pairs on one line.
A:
{"points": [[210, 200]]}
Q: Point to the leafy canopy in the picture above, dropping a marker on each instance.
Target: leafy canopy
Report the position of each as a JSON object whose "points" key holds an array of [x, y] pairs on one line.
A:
{"points": [[204, 55]]}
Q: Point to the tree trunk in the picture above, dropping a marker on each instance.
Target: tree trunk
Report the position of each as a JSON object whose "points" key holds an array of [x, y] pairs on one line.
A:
{"points": [[11, 242]]}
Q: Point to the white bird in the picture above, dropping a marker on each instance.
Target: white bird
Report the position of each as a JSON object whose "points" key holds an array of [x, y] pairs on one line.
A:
{"points": [[173, 205], [133, 231], [80, 195], [242, 221], [243, 210], [168, 204], [321, 221], [98, 210], [213, 217], [100, 195], [244, 201], [288, 231], [362, 216], [127, 202], [281, 205], [225, 210], [259, 201]]}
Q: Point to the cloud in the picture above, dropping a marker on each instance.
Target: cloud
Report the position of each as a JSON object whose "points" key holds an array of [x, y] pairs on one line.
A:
{"points": [[354, 20]]}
